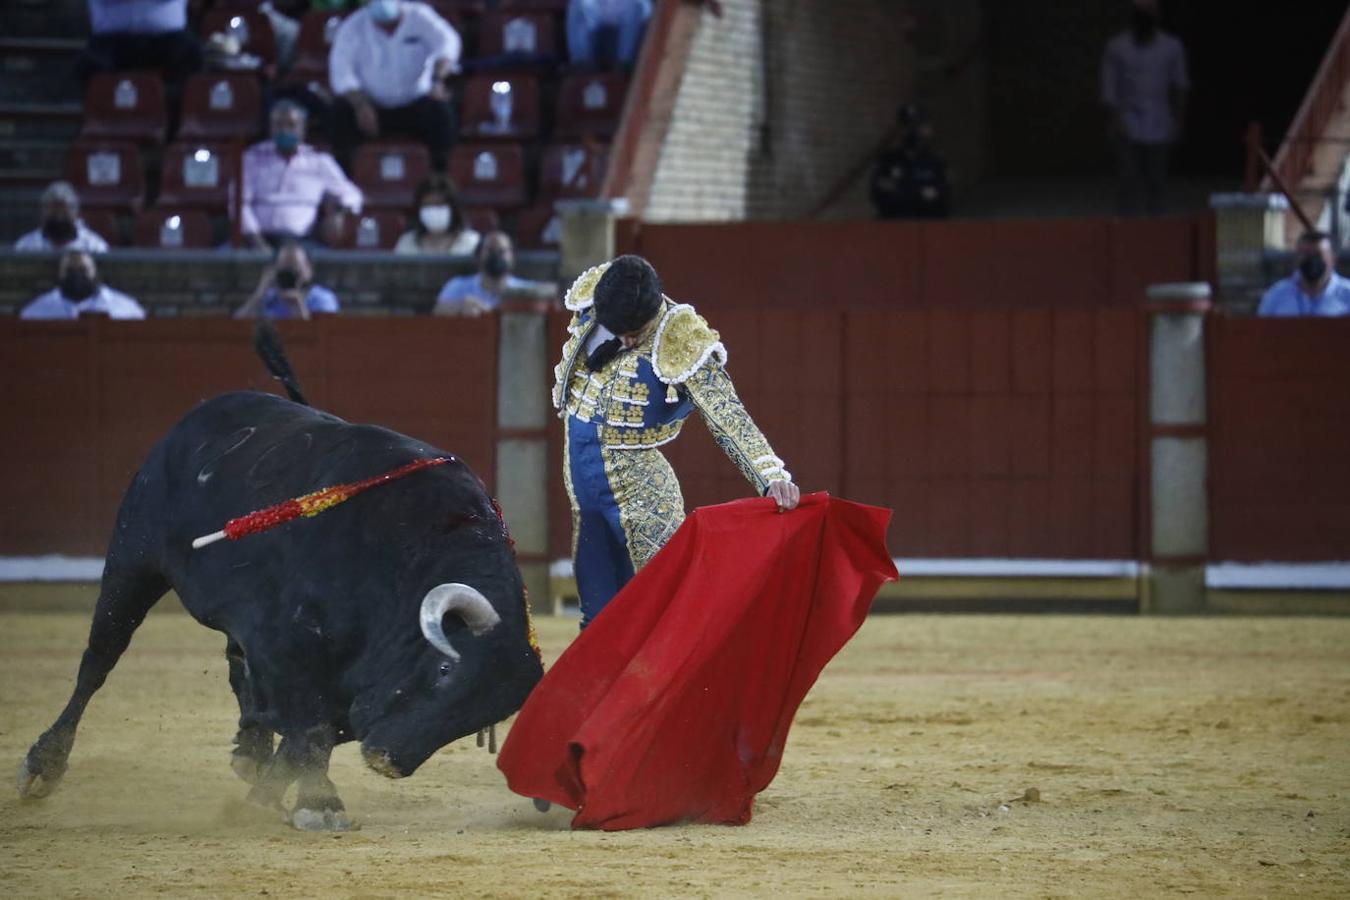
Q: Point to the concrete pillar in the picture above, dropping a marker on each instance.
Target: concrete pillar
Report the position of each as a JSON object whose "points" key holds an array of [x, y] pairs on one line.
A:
{"points": [[587, 235], [1178, 447], [1247, 227]]}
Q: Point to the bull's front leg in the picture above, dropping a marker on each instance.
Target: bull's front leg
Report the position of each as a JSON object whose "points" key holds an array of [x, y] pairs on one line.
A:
{"points": [[302, 757]]}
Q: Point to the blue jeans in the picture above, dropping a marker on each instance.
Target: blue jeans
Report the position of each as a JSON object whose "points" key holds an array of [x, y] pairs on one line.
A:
{"points": [[597, 39]]}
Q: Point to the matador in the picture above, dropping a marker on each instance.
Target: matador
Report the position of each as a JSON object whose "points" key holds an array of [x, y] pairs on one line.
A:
{"points": [[635, 364]]}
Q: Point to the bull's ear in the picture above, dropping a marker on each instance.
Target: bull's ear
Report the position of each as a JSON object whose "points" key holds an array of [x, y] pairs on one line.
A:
{"points": [[470, 606]]}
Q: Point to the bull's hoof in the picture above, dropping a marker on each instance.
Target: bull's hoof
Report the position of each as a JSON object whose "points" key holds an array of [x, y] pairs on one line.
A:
{"points": [[320, 820], [34, 785], [248, 767], [542, 805]]}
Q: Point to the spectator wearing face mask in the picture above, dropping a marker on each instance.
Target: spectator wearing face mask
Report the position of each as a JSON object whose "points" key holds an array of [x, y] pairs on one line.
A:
{"points": [[61, 228], [287, 290], [387, 67], [286, 180], [481, 292], [439, 221], [79, 292], [1315, 289]]}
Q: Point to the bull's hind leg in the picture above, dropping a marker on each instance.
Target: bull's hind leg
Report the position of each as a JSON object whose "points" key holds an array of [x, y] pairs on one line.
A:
{"points": [[303, 758], [253, 741], [124, 599]]}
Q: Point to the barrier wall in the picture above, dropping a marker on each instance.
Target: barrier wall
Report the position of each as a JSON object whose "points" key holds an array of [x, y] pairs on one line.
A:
{"points": [[85, 401]]}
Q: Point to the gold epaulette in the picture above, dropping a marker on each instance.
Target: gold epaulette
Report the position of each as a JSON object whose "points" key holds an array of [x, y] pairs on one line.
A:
{"points": [[582, 292], [683, 343]]}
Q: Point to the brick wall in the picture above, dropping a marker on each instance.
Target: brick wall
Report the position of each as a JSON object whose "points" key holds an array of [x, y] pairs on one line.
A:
{"points": [[779, 97]]}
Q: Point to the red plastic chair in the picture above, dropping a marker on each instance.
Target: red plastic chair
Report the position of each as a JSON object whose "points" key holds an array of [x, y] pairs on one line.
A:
{"points": [[538, 228], [489, 174], [127, 106], [483, 220], [312, 47], [388, 172], [251, 25], [590, 106], [373, 229], [572, 170], [173, 229], [102, 222], [506, 33], [501, 107], [198, 174], [106, 174], [221, 106]]}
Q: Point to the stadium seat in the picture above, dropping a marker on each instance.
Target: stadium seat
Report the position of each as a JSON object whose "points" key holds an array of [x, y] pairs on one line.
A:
{"points": [[247, 23], [454, 11], [502, 106], [373, 229], [483, 220], [221, 106], [572, 170], [388, 173], [590, 106], [102, 222], [312, 47], [538, 228], [106, 174], [509, 40], [127, 106], [173, 229], [198, 174], [489, 174]]}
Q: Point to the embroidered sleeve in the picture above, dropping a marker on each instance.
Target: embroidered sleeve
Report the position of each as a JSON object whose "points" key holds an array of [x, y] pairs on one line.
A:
{"points": [[563, 370], [714, 395]]}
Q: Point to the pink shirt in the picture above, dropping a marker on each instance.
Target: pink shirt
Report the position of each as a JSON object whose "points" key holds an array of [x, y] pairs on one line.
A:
{"points": [[282, 195]]}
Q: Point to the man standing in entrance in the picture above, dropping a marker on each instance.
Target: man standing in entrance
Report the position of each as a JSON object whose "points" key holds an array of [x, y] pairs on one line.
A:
{"points": [[636, 363]]}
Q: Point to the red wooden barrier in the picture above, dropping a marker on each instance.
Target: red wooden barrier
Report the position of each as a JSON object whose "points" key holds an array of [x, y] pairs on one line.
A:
{"points": [[86, 400]]}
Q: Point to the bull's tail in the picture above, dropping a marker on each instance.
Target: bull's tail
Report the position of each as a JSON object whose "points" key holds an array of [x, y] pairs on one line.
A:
{"points": [[273, 354]]}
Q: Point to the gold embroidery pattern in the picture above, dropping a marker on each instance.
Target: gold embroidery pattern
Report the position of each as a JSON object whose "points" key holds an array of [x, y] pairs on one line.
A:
{"points": [[582, 292], [731, 426], [647, 492], [684, 342]]}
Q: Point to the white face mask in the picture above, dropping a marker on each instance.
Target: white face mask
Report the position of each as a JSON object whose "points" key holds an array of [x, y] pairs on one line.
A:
{"points": [[435, 218], [384, 11]]}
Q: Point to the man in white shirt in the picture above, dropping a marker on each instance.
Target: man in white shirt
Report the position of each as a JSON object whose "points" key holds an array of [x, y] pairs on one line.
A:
{"points": [[1144, 87], [61, 228], [388, 67], [79, 291]]}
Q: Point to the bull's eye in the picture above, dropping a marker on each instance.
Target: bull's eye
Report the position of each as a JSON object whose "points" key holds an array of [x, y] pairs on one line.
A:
{"points": [[445, 669]]}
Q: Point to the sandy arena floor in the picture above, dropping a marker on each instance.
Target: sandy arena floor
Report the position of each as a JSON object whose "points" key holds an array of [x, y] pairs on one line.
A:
{"points": [[1207, 757]]}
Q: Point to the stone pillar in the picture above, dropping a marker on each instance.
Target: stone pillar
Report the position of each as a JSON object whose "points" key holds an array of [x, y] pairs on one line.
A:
{"points": [[587, 235], [1247, 227], [1177, 447]]}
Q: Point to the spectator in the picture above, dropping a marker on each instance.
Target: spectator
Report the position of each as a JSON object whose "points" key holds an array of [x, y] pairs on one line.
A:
{"points": [[286, 181], [910, 179], [440, 225], [61, 228], [606, 33], [387, 67], [78, 291], [1144, 86], [481, 292], [140, 34], [287, 290], [1315, 289]]}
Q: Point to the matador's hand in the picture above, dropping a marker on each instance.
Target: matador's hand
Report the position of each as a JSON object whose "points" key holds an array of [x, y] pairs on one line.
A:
{"points": [[786, 493]]}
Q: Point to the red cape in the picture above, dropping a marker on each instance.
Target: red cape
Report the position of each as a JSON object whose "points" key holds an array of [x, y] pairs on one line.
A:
{"points": [[674, 705]]}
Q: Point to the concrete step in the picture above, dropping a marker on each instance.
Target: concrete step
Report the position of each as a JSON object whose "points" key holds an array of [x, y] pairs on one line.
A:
{"points": [[24, 161], [39, 70], [68, 19], [42, 121]]}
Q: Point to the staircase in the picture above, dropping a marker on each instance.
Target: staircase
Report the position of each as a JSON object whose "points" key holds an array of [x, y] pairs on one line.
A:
{"points": [[40, 101]]}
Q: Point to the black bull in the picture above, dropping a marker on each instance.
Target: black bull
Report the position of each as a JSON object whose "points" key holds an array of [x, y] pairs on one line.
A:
{"points": [[396, 619]]}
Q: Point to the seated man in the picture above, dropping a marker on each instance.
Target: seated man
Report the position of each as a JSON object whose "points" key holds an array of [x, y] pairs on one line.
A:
{"points": [[140, 34], [481, 292], [286, 181], [606, 33], [78, 291], [910, 179], [287, 290], [1314, 289], [62, 228], [387, 67]]}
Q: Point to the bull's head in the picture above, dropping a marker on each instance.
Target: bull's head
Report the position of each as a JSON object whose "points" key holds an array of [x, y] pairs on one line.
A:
{"points": [[471, 607]]}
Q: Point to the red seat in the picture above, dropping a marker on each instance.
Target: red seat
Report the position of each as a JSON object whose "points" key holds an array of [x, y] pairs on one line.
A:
{"points": [[489, 174], [501, 106], [454, 11], [590, 106], [106, 173], [103, 222], [483, 220], [312, 47], [198, 174], [572, 170], [126, 106], [221, 106], [388, 173], [173, 229], [529, 36], [374, 229], [538, 228], [250, 25]]}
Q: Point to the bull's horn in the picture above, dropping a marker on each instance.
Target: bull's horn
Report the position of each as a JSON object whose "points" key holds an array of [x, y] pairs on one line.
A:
{"points": [[463, 601]]}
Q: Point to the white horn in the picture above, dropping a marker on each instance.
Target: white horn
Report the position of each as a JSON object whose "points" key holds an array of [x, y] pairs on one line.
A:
{"points": [[463, 601]]}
